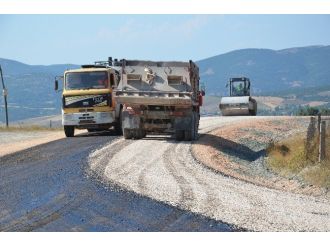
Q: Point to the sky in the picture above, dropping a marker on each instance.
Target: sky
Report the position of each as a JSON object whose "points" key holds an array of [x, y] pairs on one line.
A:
{"points": [[81, 39]]}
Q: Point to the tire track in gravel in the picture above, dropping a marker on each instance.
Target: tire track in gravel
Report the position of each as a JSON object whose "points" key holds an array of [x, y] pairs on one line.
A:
{"points": [[186, 192], [102, 154], [208, 203]]}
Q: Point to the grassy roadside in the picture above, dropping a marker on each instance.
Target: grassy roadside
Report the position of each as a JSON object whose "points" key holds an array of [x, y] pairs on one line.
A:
{"points": [[30, 128], [289, 159]]}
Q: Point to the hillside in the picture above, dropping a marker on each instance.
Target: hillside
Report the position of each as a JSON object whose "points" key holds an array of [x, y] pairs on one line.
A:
{"points": [[31, 89], [298, 76], [269, 70]]}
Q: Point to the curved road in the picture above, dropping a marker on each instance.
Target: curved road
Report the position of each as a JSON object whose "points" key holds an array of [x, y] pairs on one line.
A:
{"points": [[73, 185], [50, 188], [165, 170]]}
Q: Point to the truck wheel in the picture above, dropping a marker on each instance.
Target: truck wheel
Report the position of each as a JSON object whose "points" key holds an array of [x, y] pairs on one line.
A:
{"points": [[253, 113], [196, 125], [118, 125], [69, 131], [188, 135], [138, 134], [142, 133], [118, 129], [179, 135], [127, 134]]}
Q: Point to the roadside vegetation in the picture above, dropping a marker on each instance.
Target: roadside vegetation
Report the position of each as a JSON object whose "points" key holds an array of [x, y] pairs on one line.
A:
{"points": [[313, 111], [290, 159], [27, 128]]}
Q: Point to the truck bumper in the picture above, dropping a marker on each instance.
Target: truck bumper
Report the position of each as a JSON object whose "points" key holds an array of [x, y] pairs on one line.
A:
{"points": [[88, 118], [164, 121]]}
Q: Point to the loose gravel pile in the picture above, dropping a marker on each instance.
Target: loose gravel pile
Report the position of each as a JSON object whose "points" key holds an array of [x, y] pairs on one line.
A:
{"points": [[165, 170]]}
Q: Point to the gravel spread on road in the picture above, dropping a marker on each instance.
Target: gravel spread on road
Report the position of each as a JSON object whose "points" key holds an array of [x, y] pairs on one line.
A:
{"points": [[166, 170]]}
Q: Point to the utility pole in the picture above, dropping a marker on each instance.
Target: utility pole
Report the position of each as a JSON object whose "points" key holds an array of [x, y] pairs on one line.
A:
{"points": [[5, 93]]}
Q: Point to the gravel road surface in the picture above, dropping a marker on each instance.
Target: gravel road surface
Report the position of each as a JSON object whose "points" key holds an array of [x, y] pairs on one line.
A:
{"points": [[165, 170], [50, 188]]}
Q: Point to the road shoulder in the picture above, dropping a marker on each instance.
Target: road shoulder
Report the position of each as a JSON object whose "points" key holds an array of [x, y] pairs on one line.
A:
{"points": [[238, 150]]}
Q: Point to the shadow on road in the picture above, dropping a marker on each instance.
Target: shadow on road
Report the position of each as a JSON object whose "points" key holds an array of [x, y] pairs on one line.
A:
{"points": [[109, 132], [230, 147]]}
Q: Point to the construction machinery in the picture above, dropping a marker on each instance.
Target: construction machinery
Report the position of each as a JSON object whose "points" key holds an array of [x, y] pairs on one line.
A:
{"points": [[87, 98], [159, 97], [239, 103]]}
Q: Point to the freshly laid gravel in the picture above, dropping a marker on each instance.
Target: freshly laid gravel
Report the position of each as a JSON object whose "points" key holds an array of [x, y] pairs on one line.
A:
{"points": [[165, 170]]}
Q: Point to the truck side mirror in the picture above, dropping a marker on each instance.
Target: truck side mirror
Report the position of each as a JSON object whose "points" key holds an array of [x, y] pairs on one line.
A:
{"points": [[56, 85], [202, 89]]}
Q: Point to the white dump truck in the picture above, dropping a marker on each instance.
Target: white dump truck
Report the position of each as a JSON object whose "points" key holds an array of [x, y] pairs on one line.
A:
{"points": [[159, 97]]}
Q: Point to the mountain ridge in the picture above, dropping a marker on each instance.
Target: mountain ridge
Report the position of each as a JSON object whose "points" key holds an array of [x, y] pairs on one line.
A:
{"points": [[272, 72]]}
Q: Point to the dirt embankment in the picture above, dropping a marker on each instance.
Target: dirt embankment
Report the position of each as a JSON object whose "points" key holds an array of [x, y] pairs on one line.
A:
{"points": [[239, 150]]}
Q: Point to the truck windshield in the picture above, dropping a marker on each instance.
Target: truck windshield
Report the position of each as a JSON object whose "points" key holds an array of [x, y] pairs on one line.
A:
{"points": [[87, 80]]}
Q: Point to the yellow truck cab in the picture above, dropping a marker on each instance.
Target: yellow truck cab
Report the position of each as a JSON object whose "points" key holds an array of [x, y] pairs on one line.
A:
{"points": [[87, 98]]}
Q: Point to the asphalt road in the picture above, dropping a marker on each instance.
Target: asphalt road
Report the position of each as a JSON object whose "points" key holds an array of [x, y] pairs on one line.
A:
{"points": [[50, 188]]}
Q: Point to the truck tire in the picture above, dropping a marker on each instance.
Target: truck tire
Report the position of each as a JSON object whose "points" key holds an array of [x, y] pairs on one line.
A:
{"points": [[179, 135], [253, 113], [142, 133], [138, 134], [188, 135], [118, 125], [196, 124], [127, 134], [69, 131]]}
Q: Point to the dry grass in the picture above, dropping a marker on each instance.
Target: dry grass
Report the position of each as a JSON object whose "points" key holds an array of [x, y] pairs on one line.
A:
{"points": [[27, 128], [289, 159], [318, 175]]}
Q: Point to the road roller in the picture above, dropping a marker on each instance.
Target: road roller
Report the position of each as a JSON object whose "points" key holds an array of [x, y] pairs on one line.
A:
{"points": [[239, 103]]}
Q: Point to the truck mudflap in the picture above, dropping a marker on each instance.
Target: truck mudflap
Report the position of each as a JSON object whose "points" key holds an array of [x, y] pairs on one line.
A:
{"points": [[182, 123], [130, 121]]}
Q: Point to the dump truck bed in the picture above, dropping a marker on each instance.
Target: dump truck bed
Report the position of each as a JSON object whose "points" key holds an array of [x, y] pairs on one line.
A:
{"points": [[165, 83]]}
